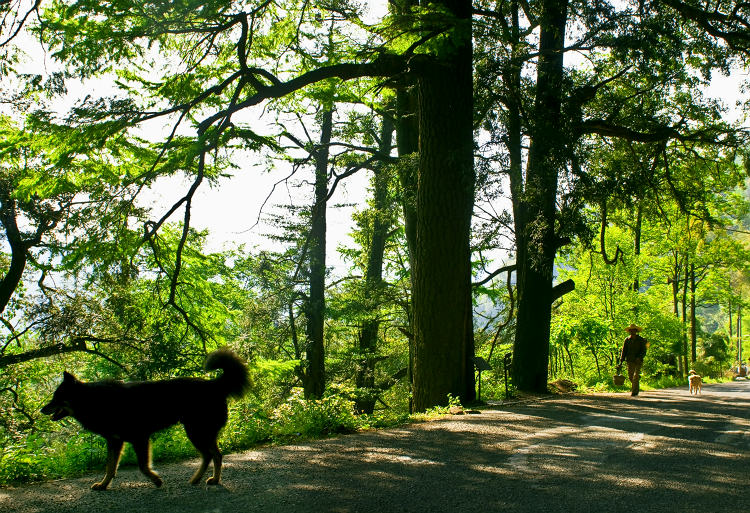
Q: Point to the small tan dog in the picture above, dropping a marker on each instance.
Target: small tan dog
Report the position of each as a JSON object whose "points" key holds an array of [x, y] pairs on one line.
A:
{"points": [[696, 382]]}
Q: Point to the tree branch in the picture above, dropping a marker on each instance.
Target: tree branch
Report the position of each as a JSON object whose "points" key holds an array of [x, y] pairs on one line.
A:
{"points": [[561, 289], [21, 23], [489, 277], [618, 252], [384, 65], [732, 28], [77, 345]]}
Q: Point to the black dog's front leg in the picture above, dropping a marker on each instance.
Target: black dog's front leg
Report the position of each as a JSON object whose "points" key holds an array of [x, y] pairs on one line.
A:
{"points": [[114, 450], [142, 450]]}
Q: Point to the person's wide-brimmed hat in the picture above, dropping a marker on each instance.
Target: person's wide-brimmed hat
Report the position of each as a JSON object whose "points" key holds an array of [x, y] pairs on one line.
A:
{"points": [[633, 327]]}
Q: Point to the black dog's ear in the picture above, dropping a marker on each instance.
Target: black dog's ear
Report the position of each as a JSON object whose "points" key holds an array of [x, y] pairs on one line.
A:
{"points": [[68, 377]]}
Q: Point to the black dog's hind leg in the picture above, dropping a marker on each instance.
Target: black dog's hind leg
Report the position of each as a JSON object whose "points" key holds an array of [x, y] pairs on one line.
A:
{"points": [[142, 450], [205, 441], [216, 457], [114, 450]]}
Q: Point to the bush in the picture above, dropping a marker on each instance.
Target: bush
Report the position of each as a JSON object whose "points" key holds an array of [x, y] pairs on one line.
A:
{"points": [[248, 425], [314, 418], [46, 456], [21, 462]]}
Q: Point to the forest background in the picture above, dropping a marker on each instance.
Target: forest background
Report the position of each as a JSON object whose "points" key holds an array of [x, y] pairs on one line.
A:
{"points": [[524, 180]]}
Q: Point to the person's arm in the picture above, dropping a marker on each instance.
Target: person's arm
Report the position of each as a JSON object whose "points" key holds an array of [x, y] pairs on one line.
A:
{"points": [[644, 348], [624, 351]]}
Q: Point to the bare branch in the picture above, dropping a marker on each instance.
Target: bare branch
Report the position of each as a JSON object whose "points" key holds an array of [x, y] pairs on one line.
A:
{"points": [[508, 268], [34, 8]]}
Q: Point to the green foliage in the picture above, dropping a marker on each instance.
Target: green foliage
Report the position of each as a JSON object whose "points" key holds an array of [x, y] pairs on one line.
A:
{"points": [[313, 418]]}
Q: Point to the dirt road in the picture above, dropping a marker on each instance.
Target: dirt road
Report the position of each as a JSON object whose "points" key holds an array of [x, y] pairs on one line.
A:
{"points": [[663, 451]]}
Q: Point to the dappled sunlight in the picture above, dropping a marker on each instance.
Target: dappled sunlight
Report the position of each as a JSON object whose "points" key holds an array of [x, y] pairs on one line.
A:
{"points": [[256, 456], [634, 483], [490, 469], [374, 454]]}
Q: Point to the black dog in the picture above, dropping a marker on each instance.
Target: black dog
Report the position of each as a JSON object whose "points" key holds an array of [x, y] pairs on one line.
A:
{"points": [[132, 412]]}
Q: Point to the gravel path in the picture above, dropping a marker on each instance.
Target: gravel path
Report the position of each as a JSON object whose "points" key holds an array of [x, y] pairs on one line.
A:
{"points": [[663, 451]]}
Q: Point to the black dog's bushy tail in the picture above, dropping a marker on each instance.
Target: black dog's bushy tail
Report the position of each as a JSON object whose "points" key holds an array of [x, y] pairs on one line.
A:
{"points": [[234, 380]]}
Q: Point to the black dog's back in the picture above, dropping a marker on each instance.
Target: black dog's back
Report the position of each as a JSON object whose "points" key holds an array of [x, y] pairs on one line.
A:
{"points": [[133, 410]]}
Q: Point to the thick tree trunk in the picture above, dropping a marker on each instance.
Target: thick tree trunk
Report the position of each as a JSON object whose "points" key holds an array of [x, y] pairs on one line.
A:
{"points": [[368, 337], [535, 224], [315, 380], [441, 274]]}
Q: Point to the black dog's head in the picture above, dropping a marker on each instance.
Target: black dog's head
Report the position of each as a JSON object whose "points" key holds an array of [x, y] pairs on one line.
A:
{"points": [[61, 406]]}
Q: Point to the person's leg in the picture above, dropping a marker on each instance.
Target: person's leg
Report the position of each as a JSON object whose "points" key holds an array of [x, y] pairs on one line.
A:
{"points": [[634, 374], [630, 371]]}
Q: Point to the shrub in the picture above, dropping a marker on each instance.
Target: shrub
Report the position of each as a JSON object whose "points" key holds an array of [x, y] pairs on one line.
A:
{"points": [[322, 417]]}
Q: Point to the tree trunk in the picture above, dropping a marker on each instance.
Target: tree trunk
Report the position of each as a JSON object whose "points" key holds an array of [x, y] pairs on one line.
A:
{"points": [[368, 337], [675, 281], [18, 249], [536, 240], [441, 274], [12, 278], [637, 244], [407, 144], [693, 320], [685, 351], [596, 360], [315, 380], [739, 335], [570, 362], [512, 80]]}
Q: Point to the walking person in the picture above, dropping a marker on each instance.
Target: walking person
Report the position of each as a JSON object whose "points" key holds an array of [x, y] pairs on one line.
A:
{"points": [[633, 351]]}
